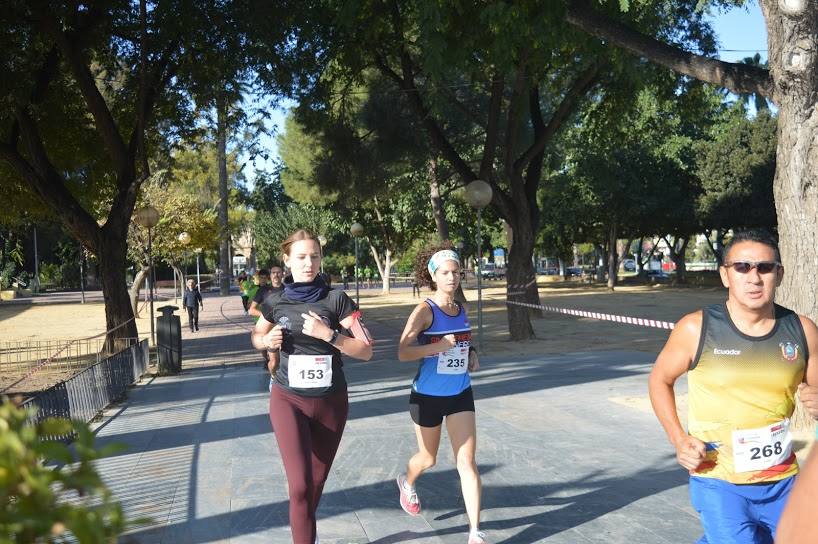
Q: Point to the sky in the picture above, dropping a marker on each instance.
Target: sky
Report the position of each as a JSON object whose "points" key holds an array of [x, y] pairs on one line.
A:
{"points": [[741, 29], [741, 34]]}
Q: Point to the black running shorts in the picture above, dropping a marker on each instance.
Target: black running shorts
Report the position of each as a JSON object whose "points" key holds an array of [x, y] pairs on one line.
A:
{"points": [[429, 410]]}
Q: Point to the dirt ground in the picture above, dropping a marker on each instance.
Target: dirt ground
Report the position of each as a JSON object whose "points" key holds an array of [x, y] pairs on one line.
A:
{"points": [[558, 333], [555, 333]]}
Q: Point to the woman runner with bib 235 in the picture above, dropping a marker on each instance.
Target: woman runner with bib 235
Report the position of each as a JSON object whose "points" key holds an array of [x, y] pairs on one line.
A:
{"points": [[438, 332], [301, 326]]}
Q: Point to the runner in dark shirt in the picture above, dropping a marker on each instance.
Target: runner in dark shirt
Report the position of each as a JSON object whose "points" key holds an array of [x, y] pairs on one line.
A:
{"points": [[309, 327]]}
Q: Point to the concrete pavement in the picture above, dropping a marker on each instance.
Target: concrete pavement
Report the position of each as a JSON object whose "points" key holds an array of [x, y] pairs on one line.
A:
{"points": [[560, 461]]}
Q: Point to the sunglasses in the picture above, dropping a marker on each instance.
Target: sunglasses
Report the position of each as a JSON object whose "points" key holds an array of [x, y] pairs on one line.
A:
{"points": [[763, 267]]}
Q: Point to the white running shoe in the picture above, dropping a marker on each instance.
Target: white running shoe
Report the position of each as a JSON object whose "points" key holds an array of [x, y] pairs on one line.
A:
{"points": [[477, 537]]}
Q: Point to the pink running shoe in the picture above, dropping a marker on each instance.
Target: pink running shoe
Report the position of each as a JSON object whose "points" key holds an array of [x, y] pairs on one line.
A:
{"points": [[477, 537], [408, 497]]}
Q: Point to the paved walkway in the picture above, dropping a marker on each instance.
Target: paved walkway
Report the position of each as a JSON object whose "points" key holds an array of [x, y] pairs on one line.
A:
{"points": [[561, 463]]}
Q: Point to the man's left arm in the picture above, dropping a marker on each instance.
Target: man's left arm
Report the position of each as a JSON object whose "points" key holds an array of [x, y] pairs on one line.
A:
{"points": [[809, 391]]}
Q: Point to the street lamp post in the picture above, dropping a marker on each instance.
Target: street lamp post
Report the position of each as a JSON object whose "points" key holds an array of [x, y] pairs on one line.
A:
{"points": [[148, 217], [356, 230], [478, 194], [184, 239], [82, 272], [36, 283], [198, 278], [322, 241]]}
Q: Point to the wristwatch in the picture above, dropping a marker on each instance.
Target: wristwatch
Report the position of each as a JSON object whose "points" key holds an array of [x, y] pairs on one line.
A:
{"points": [[334, 337]]}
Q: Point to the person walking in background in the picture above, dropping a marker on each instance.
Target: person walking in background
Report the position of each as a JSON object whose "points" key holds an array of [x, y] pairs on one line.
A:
{"points": [[269, 282], [192, 301], [308, 327], [241, 281]]}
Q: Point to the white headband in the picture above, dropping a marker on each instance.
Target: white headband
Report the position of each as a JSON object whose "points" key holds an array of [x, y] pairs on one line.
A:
{"points": [[438, 258]]}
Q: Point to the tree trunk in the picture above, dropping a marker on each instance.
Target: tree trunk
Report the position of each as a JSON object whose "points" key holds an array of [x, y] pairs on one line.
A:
{"points": [[439, 213], [794, 71], [224, 228], [111, 255], [678, 248], [599, 268], [719, 245], [613, 257], [437, 202], [383, 266], [386, 277], [138, 280], [626, 249], [640, 266], [521, 281]]}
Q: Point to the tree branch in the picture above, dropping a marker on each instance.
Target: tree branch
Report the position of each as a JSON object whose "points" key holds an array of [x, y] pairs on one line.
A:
{"points": [[434, 130], [104, 120], [514, 114], [445, 91], [493, 126], [581, 85], [44, 179], [739, 78], [160, 78], [534, 171]]}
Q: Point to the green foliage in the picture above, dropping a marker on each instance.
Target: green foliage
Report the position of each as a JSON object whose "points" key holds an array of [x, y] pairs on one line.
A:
{"points": [[50, 274], [736, 166], [268, 191], [298, 151], [179, 211], [272, 228], [7, 274], [193, 173], [48, 491], [338, 263], [635, 170]]}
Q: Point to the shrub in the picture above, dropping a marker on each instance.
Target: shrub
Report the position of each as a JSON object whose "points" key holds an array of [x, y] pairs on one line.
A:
{"points": [[49, 491], [7, 275]]}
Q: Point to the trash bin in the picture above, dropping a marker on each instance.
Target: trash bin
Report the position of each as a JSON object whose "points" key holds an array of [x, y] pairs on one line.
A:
{"points": [[169, 340]]}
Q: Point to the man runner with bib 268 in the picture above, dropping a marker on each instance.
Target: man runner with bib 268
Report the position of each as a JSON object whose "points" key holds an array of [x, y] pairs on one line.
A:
{"points": [[745, 359]]}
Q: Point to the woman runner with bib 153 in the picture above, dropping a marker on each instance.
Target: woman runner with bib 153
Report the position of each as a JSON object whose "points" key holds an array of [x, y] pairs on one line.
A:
{"points": [[302, 327], [438, 333]]}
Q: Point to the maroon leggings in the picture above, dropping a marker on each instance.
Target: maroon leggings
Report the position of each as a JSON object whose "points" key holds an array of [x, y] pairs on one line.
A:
{"points": [[308, 431]]}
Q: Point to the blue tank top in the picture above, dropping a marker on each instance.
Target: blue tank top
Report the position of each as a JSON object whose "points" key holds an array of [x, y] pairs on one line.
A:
{"points": [[444, 375]]}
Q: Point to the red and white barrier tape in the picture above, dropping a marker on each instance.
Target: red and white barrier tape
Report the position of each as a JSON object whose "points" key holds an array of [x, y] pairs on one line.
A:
{"points": [[638, 321], [522, 286]]}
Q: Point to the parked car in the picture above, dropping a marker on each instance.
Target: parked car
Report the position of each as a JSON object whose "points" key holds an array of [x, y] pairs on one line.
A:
{"points": [[573, 271], [658, 275], [491, 271], [629, 265]]}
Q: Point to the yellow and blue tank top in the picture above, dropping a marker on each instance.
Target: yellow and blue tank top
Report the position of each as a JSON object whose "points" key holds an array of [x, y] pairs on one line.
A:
{"points": [[738, 382], [427, 380]]}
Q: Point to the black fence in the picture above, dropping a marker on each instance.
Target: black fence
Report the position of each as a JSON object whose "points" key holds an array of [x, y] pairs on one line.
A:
{"points": [[88, 392]]}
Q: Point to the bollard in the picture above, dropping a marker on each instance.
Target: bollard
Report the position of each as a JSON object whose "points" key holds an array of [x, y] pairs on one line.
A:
{"points": [[169, 340]]}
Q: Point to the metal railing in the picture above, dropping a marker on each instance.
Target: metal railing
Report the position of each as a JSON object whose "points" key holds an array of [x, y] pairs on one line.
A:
{"points": [[88, 392], [20, 356], [33, 365]]}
